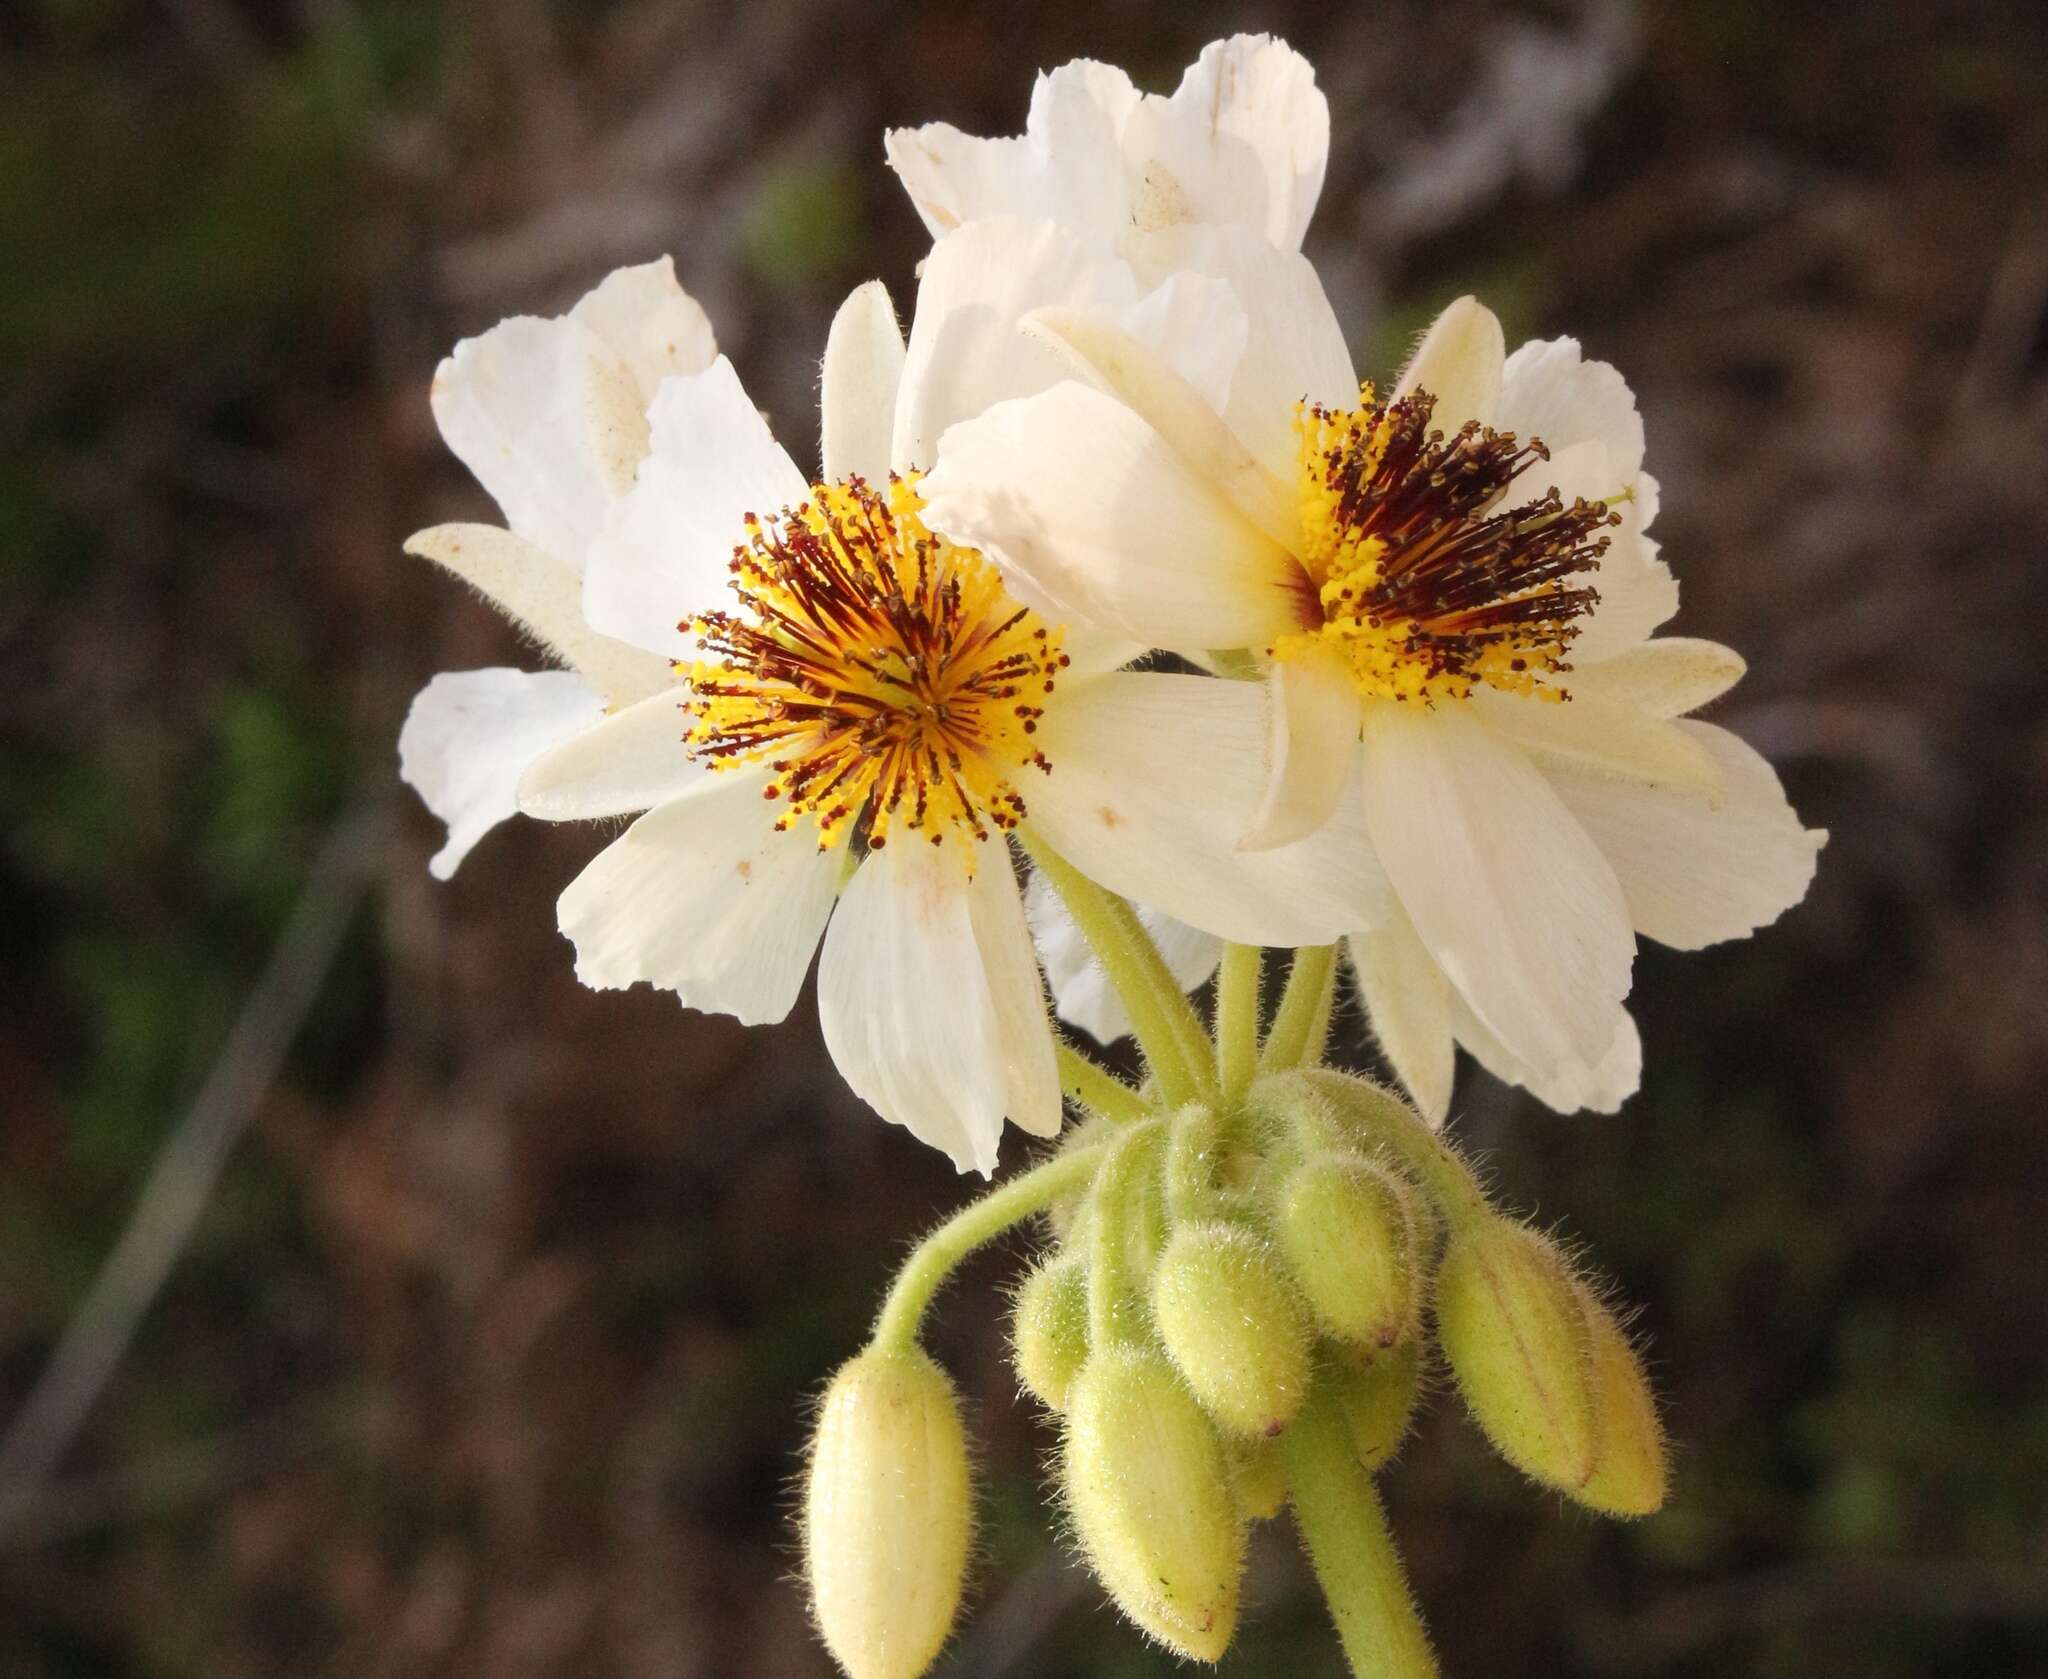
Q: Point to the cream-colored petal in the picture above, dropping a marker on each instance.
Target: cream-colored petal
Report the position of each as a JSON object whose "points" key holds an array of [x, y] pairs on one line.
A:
{"points": [[632, 761], [1695, 872], [1507, 892], [857, 386], [471, 733], [906, 1007], [1548, 390], [1081, 990], [1459, 362], [1600, 1085], [666, 551], [650, 323], [1031, 1076], [545, 599], [1312, 752], [1093, 516], [1638, 594], [1408, 1005], [1154, 780], [1244, 138], [1597, 737], [1671, 676], [703, 898]]}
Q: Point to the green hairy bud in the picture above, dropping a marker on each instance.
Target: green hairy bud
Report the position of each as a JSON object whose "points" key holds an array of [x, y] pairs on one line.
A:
{"points": [[886, 1514], [1231, 1324], [1632, 1473], [1377, 1397], [1150, 1497], [1512, 1321], [1050, 1329], [1354, 1238], [1258, 1475]]}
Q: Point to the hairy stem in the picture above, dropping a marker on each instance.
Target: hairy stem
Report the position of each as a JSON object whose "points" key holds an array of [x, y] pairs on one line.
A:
{"points": [[1303, 1021], [1237, 1020], [1095, 1086], [1113, 1308]]}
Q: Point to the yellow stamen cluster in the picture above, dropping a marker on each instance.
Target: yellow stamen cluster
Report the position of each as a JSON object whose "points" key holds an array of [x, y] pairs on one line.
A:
{"points": [[882, 673], [1428, 584]]}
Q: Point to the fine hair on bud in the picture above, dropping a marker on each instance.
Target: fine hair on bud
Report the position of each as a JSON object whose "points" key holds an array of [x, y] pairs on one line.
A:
{"points": [[1632, 1473], [1356, 1240], [888, 1514], [1378, 1395], [1230, 1320], [1049, 1328], [1511, 1319], [1150, 1500]]}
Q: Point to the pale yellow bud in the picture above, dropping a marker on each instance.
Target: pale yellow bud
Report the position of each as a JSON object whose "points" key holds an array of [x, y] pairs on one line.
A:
{"points": [[887, 1513], [1150, 1498], [1632, 1473], [1231, 1323], [1354, 1238], [1377, 1397], [1050, 1329], [1512, 1323], [1258, 1475]]}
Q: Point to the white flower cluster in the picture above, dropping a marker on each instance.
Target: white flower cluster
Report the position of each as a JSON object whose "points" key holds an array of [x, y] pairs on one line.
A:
{"points": [[1113, 555]]}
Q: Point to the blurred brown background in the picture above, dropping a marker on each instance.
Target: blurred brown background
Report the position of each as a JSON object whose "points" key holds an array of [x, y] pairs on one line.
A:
{"points": [[489, 1352]]}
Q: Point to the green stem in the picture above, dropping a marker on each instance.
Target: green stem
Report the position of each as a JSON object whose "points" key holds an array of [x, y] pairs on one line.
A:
{"points": [[1304, 1017], [1192, 1149], [1113, 1310], [933, 1260], [1097, 1087], [1390, 1123], [1344, 1530], [1237, 1020], [1161, 1017]]}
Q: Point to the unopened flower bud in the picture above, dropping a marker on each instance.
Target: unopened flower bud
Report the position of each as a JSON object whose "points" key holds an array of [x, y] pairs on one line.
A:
{"points": [[1151, 1501], [1258, 1475], [886, 1514], [1050, 1328], [1631, 1473], [1377, 1397], [1512, 1323], [1354, 1239], [1230, 1321]]}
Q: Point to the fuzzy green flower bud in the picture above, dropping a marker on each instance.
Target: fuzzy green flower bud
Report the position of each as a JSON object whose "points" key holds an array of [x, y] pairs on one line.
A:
{"points": [[1231, 1324], [886, 1514], [1632, 1473], [1355, 1239], [1150, 1498], [1512, 1323], [1258, 1475], [1377, 1397], [1049, 1330]]}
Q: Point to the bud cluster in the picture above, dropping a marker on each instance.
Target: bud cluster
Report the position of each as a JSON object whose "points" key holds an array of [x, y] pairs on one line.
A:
{"points": [[1241, 1309]]}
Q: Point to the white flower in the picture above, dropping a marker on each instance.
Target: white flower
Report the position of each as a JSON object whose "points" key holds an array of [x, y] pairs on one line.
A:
{"points": [[550, 415], [849, 674], [1243, 140], [1429, 580]]}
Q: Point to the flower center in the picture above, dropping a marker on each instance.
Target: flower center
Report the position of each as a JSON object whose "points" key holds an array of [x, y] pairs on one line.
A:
{"points": [[1428, 584], [881, 672]]}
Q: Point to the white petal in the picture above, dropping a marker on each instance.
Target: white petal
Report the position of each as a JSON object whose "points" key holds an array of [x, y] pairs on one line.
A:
{"points": [[471, 733], [1066, 167], [1594, 736], [1695, 873], [857, 386], [650, 323], [1600, 1085], [632, 761], [702, 897], [665, 553], [1505, 889], [1671, 676], [1312, 722], [1637, 591], [1155, 778], [906, 1007], [544, 598], [1080, 988], [1009, 959], [1294, 349], [1549, 391], [1459, 362], [1244, 138], [1093, 516], [1408, 1002]]}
